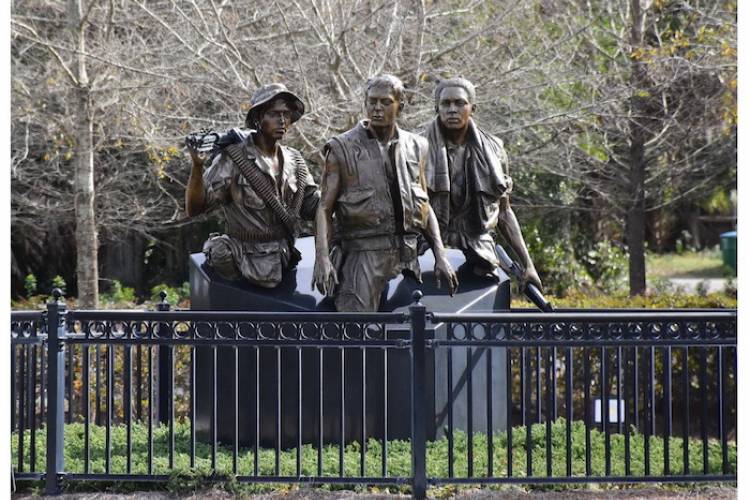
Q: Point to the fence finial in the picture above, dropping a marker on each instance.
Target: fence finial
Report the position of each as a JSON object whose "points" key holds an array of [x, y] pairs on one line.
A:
{"points": [[57, 294], [417, 296], [163, 296]]}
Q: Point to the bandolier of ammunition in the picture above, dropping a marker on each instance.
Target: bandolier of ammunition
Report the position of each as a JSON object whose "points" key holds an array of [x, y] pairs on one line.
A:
{"points": [[265, 189]]}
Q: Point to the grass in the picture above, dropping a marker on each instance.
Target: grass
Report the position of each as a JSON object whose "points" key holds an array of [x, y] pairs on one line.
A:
{"points": [[703, 265], [399, 455]]}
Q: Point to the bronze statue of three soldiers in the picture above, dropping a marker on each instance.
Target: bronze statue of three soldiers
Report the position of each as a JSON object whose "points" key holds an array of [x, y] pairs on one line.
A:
{"points": [[385, 195]]}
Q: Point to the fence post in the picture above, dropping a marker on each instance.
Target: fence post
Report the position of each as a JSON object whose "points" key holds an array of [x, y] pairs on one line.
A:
{"points": [[55, 393], [165, 365], [418, 437]]}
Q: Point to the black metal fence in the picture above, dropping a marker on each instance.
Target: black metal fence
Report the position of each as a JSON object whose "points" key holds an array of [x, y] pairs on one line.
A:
{"points": [[518, 397]]}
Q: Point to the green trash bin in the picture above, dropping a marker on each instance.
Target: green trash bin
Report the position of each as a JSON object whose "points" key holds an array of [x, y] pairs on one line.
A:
{"points": [[729, 250]]}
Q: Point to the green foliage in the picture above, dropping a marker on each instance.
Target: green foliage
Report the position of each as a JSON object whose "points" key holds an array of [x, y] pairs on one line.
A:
{"points": [[175, 295], [598, 268], [59, 282], [30, 284], [607, 264], [556, 264], [119, 294], [185, 479]]}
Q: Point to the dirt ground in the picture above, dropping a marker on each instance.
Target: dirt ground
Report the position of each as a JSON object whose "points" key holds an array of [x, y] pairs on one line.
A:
{"points": [[712, 493]]}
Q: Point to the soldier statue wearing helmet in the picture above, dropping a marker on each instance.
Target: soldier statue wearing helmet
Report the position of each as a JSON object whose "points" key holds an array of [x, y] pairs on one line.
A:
{"points": [[263, 188]]}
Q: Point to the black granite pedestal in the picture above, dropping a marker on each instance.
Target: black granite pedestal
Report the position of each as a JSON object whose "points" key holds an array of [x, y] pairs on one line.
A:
{"points": [[311, 376]]}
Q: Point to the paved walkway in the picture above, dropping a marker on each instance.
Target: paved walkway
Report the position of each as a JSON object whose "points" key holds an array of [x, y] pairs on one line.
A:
{"points": [[692, 284]]}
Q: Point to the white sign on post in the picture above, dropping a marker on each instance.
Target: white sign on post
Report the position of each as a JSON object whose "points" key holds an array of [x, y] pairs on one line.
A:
{"points": [[614, 405]]}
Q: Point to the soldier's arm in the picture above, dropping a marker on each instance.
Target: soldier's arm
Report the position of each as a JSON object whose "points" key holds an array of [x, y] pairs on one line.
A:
{"points": [[511, 231], [324, 275], [195, 193], [443, 269]]}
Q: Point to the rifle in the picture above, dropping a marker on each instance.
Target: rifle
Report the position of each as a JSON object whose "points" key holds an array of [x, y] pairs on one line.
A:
{"points": [[211, 142], [530, 290]]}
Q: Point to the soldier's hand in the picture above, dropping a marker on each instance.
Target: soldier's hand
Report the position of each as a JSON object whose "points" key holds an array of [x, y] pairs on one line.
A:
{"points": [[198, 157], [324, 276], [443, 270], [531, 276]]}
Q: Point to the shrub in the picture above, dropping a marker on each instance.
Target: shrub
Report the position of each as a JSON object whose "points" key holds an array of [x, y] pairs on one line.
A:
{"points": [[29, 285], [119, 294], [175, 295]]}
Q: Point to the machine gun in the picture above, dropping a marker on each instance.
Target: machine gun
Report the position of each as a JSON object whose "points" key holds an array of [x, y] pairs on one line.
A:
{"points": [[212, 142], [530, 290]]}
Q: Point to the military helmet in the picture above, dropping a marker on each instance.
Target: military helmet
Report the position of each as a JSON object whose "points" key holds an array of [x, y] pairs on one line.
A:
{"points": [[267, 93]]}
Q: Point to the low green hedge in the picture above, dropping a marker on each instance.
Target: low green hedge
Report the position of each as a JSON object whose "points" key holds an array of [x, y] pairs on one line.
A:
{"points": [[399, 456]]}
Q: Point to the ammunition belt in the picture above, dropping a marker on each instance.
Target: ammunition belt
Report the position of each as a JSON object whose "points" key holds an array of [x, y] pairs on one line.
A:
{"points": [[271, 234], [265, 189]]}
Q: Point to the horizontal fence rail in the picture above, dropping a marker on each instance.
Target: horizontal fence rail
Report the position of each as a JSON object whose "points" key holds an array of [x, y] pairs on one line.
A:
{"points": [[512, 397]]}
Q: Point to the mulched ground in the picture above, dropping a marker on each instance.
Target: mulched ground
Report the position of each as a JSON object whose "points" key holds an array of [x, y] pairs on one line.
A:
{"points": [[709, 493]]}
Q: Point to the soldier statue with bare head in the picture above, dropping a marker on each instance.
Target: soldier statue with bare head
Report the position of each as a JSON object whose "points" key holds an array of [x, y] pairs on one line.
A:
{"points": [[469, 184], [373, 188]]}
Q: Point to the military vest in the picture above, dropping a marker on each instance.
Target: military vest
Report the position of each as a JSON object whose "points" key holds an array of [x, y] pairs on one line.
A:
{"points": [[365, 207]]}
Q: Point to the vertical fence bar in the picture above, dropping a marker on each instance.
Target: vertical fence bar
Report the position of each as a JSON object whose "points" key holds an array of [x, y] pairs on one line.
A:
{"points": [[509, 403], [85, 398], [384, 457], [449, 355], [127, 392], [604, 391], [469, 410], [686, 410], [704, 406], [69, 385], [139, 383], [647, 425], [56, 394], [667, 393], [214, 397], [652, 392], [488, 402], [527, 417], [628, 367], [42, 380], [636, 391], [110, 365], [22, 405], [256, 441], [166, 360], [13, 388], [720, 388], [299, 411], [342, 415], [170, 400], [549, 410], [98, 385], [554, 383], [150, 405], [192, 401], [363, 435], [587, 407], [568, 411], [320, 414], [32, 408], [277, 451], [236, 407], [538, 382], [418, 400], [618, 381]]}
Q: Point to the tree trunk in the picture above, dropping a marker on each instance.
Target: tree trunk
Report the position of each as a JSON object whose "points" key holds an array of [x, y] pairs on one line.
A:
{"points": [[636, 218], [87, 245]]}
